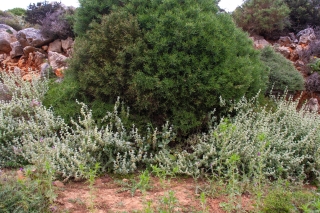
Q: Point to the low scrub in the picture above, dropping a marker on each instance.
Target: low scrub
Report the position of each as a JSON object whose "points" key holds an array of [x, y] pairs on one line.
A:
{"points": [[256, 142], [283, 75]]}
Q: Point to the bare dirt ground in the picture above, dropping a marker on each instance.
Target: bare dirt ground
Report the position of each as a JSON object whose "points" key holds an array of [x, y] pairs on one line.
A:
{"points": [[111, 196]]}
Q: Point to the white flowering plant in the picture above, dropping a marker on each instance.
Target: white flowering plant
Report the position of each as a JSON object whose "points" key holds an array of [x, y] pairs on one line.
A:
{"points": [[281, 142], [32, 134]]}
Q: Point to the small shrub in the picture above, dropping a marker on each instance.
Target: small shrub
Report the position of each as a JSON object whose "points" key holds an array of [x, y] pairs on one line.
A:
{"points": [[278, 201], [315, 65], [17, 11], [57, 25], [313, 82], [283, 75], [35, 14], [21, 195], [61, 97], [279, 143], [10, 20]]}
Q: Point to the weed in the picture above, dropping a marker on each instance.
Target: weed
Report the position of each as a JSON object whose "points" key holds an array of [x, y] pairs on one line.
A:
{"points": [[168, 203], [143, 184], [91, 175]]}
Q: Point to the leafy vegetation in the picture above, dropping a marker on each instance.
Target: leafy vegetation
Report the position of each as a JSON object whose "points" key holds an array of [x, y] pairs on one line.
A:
{"points": [[171, 64], [17, 11], [54, 20], [10, 20], [303, 14], [168, 61], [92, 11], [253, 146], [283, 75], [262, 16]]}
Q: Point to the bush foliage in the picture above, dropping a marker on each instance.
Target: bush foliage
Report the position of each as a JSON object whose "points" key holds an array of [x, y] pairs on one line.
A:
{"points": [[262, 16], [91, 10], [283, 75], [10, 20], [54, 20], [168, 60], [303, 14], [58, 24], [256, 142], [17, 11]]}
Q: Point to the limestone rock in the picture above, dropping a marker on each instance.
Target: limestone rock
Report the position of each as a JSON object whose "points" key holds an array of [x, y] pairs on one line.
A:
{"points": [[16, 49], [306, 36], [299, 64], [44, 70], [28, 49], [67, 45], [55, 46], [57, 60], [260, 43], [285, 41], [285, 51], [38, 58], [17, 71], [32, 37], [7, 36], [45, 47], [293, 37]]}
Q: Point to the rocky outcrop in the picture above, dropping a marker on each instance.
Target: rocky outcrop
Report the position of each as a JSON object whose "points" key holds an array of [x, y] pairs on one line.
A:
{"points": [[67, 46], [285, 41], [7, 36], [55, 46], [260, 42], [29, 53], [32, 37], [306, 36], [45, 70], [16, 49], [56, 60]]}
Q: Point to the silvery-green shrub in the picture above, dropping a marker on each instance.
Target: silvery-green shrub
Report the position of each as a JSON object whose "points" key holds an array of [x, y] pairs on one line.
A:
{"points": [[283, 141]]}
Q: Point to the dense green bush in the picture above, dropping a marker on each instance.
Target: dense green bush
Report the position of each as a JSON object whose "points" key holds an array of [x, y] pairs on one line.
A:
{"points": [[283, 75], [168, 60], [91, 10], [262, 16], [303, 14], [62, 96], [17, 11]]}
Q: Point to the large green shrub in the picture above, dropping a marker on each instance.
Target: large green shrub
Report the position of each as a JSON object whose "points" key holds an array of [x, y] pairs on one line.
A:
{"points": [[91, 10], [169, 60], [283, 75], [262, 16], [304, 13]]}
